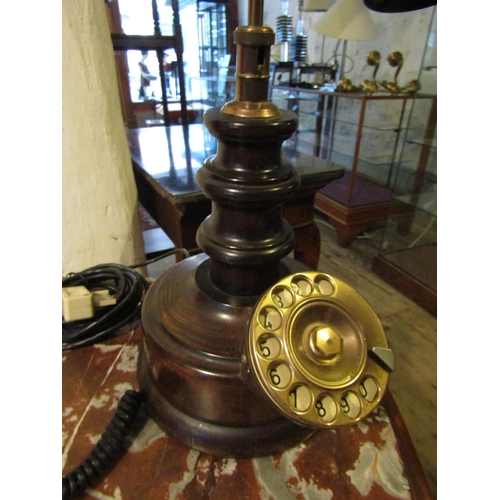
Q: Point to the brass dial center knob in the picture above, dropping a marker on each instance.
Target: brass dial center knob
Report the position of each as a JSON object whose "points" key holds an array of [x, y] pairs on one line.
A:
{"points": [[325, 343]]}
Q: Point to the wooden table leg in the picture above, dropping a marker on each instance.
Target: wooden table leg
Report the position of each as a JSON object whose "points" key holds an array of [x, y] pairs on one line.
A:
{"points": [[346, 234], [307, 245]]}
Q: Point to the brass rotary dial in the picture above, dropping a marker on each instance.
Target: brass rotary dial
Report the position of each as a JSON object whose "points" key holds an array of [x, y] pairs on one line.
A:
{"points": [[318, 351]]}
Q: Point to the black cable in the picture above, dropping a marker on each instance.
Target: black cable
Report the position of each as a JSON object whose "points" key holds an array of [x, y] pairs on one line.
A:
{"points": [[110, 447], [162, 256], [128, 288]]}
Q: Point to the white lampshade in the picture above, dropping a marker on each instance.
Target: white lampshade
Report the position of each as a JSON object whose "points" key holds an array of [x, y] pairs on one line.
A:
{"points": [[316, 5], [347, 20]]}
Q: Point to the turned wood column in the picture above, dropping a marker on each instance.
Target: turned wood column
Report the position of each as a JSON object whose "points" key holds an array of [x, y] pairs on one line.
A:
{"points": [[248, 183]]}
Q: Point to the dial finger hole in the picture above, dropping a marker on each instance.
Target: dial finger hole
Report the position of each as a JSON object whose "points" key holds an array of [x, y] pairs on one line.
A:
{"points": [[282, 297], [369, 389], [326, 409], [302, 286], [324, 285], [300, 398], [269, 318], [350, 405], [280, 375], [268, 346]]}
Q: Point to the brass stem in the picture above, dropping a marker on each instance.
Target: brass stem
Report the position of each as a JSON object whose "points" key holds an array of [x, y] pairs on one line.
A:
{"points": [[253, 58], [256, 12]]}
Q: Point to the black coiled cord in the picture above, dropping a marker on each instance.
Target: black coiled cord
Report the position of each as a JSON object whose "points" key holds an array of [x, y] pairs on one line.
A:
{"points": [[109, 448], [129, 288]]}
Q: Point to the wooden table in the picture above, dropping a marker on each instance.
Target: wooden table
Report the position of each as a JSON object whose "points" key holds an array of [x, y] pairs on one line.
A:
{"points": [[165, 174], [373, 459]]}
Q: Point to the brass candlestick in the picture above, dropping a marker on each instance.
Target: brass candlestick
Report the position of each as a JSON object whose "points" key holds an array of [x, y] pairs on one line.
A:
{"points": [[372, 59], [412, 87], [346, 85], [395, 59]]}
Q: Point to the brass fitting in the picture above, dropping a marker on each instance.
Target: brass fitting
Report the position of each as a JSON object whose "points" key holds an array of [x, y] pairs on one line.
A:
{"points": [[325, 343], [252, 69]]}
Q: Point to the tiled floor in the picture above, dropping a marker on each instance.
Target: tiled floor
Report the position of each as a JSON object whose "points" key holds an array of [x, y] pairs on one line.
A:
{"points": [[411, 333]]}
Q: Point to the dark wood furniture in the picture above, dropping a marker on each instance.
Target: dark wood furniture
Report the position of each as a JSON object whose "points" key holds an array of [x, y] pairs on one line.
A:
{"points": [[171, 110], [158, 42], [336, 462], [413, 272], [165, 176]]}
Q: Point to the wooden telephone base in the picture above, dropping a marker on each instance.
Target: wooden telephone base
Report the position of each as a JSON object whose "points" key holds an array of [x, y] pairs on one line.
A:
{"points": [[192, 366]]}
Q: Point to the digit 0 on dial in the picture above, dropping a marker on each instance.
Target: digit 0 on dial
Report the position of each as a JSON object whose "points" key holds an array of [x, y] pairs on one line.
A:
{"points": [[317, 350]]}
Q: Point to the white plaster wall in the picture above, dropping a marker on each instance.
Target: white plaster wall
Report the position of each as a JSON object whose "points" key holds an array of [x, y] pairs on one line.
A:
{"points": [[99, 221], [406, 32]]}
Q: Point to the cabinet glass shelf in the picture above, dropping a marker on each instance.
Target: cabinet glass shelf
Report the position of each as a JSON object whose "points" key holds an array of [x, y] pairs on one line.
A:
{"points": [[407, 255], [363, 133], [431, 143], [427, 202]]}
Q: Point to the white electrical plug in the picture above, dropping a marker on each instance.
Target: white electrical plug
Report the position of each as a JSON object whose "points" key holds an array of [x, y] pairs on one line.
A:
{"points": [[102, 298], [77, 303]]}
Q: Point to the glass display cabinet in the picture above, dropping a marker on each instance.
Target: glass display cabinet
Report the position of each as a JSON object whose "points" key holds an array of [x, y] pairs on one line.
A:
{"points": [[365, 137], [216, 78], [211, 35], [362, 133], [407, 256]]}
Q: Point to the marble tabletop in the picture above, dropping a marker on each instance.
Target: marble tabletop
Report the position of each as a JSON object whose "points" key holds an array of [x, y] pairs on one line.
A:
{"points": [[362, 461]]}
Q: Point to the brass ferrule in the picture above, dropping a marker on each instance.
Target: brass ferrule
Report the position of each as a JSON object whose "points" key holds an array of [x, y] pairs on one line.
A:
{"points": [[252, 74]]}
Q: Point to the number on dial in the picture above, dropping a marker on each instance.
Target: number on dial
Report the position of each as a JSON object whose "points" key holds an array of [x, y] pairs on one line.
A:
{"points": [[280, 376], [301, 286], [300, 398], [268, 346], [350, 405], [368, 389], [326, 409], [282, 297], [270, 318]]}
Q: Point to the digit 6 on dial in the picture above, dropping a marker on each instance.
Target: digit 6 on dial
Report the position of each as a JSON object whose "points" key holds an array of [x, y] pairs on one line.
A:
{"points": [[318, 351]]}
